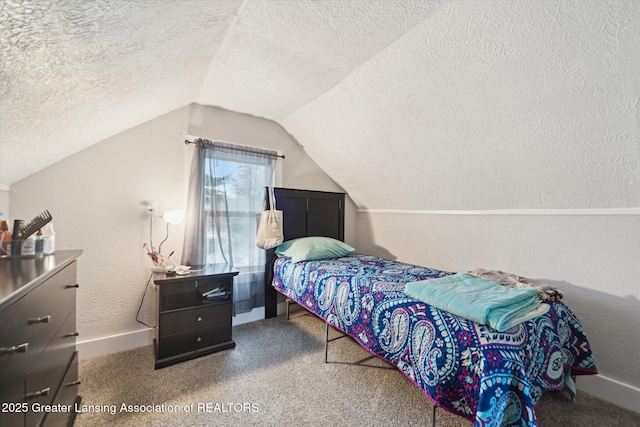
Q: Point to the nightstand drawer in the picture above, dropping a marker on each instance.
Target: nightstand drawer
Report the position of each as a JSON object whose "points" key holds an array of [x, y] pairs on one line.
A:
{"points": [[188, 293], [198, 339], [200, 317]]}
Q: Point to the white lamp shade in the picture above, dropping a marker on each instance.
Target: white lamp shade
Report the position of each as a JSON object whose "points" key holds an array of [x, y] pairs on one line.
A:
{"points": [[175, 216]]}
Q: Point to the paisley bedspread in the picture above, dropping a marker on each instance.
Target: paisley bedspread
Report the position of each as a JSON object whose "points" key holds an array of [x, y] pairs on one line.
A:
{"points": [[492, 378]]}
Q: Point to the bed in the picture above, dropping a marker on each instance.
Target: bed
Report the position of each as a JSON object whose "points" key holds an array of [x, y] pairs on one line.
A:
{"points": [[491, 378]]}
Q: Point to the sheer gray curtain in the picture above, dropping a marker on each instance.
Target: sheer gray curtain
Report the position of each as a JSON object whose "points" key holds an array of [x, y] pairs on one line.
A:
{"points": [[226, 192]]}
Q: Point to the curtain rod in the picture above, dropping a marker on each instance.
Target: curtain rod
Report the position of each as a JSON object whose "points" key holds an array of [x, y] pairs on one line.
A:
{"points": [[236, 146]]}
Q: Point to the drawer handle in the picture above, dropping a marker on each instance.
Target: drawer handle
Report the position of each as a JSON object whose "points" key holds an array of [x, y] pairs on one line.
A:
{"points": [[72, 286], [44, 392], [199, 339], [72, 334], [22, 348], [199, 318], [73, 383], [45, 319]]}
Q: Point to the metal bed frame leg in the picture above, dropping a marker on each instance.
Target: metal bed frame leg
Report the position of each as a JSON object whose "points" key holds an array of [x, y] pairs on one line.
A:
{"points": [[433, 417], [288, 305], [326, 341]]}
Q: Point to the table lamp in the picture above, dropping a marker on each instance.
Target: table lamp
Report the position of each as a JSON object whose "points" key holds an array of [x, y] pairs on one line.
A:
{"points": [[175, 216]]}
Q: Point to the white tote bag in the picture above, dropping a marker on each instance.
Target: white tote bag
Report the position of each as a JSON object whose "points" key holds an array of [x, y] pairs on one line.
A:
{"points": [[270, 232]]}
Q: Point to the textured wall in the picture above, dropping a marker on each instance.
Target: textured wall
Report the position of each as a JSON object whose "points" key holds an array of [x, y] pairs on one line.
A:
{"points": [[5, 206], [490, 105], [593, 259], [96, 198]]}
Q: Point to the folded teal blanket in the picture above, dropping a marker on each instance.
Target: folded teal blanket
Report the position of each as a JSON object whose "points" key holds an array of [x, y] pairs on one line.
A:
{"points": [[482, 301]]}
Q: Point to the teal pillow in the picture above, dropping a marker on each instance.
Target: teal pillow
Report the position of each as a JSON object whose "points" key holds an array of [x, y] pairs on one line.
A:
{"points": [[313, 249]]}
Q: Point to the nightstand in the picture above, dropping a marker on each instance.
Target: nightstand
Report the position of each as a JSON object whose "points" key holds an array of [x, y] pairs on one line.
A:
{"points": [[194, 314]]}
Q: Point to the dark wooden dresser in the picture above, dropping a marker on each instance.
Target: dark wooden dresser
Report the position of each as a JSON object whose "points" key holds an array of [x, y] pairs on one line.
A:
{"points": [[38, 357], [194, 314]]}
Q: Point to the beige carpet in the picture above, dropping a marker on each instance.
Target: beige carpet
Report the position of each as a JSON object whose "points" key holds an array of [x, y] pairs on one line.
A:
{"points": [[276, 376]]}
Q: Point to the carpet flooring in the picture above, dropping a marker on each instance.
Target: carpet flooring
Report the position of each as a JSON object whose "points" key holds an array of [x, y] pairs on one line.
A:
{"points": [[277, 376]]}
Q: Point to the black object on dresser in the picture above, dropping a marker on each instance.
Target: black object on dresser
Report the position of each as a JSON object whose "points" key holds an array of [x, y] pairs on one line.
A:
{"points": [[194, 314], [38, 357]]}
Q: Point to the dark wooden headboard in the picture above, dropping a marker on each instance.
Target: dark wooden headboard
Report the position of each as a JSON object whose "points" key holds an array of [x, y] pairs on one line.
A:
{"points": [[305, 213]]}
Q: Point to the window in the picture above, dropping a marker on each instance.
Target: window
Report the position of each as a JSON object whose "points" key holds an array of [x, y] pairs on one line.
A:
{"points": [[226, 193], [238, 188]]}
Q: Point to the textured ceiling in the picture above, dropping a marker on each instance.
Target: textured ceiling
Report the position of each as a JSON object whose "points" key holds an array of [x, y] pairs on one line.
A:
{"points": [[280, 55], [75, 72], [406, 104]]}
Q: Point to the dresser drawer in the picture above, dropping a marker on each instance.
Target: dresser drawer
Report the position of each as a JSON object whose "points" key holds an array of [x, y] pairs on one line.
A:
{"points": [[47, 373], [14, 350], [194, 318], [66, 396], [49, 306], [198, 339], [188, 293]]}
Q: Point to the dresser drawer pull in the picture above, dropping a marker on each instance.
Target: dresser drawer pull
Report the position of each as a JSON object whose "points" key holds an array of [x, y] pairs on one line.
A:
{"points": [[199, 318], [22, 348], [72, 334], [72, 286], [45, 319], [199, 339], [73, 383], [44, 392]]}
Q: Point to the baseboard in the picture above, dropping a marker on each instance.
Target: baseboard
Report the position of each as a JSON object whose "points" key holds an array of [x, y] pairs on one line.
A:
{"points": [[252, 316], [115, 343], [281, 308], [610, 390]]}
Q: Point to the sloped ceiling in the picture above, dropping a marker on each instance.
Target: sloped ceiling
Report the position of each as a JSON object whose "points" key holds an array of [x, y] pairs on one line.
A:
{"points": [[280, 55], [406, 104], [75, 72]]}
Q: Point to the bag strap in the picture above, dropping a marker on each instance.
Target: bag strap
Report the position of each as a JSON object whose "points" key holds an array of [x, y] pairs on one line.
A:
{"points": [[264, 203], [272, 199]]}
